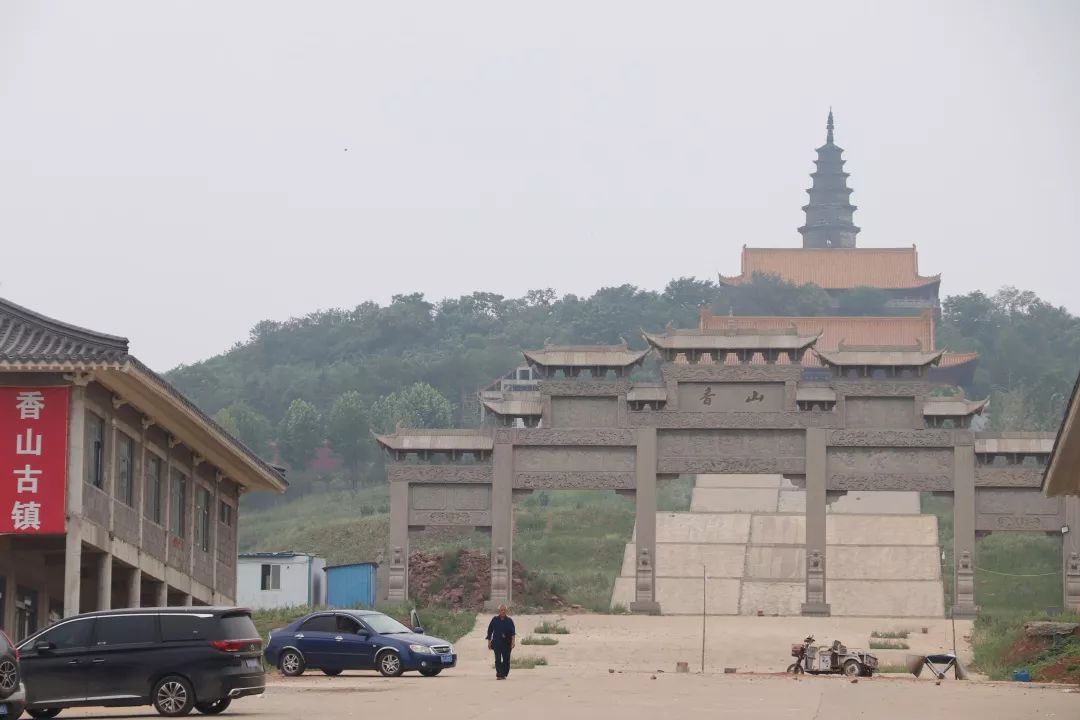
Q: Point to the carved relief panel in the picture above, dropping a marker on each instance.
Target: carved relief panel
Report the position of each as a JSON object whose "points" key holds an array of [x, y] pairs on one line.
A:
{"points": [[889, 468], [880, 412], [467, 505], [584, 412], [599, 468], [733, 451], [731, 397], [1018, 509]]}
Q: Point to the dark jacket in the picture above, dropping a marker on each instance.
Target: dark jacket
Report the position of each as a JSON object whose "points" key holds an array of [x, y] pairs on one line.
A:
{"points": [[500, 630]]}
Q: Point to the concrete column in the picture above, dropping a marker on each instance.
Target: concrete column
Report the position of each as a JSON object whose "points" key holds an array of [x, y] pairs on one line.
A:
{"points": [[75, 472], [187, 600], [10, 588], [964, 531], [645, 522], [398, 590], [816, 471], [135, 588], [163, 594], [1070, 545], [502, 521], [105, 582]]}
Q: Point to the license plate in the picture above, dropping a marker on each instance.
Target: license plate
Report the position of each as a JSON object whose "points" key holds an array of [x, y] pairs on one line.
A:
{"points": [[447, 659], [252, 663], [3, 708]]}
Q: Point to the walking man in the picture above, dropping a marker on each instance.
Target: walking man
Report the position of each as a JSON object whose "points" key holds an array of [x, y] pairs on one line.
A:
{"points": [[501, 637]]}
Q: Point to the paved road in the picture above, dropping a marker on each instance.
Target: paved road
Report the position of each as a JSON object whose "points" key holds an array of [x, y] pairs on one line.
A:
{"points": [[546, 693], [577, 683]]}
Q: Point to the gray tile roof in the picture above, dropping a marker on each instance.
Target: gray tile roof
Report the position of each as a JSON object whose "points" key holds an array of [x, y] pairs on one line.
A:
{"points": [[28, 337], [31, 341], [587, 356]]}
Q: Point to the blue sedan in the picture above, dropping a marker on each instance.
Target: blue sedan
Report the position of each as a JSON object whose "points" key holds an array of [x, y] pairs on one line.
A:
{"points": [[336, 640]]}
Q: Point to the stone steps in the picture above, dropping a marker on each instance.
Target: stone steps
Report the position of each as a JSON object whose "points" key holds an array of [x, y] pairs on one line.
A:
{"points": [[883, 558]]}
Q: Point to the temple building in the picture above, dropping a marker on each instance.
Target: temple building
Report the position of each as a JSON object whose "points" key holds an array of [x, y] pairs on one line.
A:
{"points": [[837, 271], [120, 492]]}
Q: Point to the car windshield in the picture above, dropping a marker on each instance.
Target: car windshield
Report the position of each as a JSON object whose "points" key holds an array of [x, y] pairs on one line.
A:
{"points": [[384, 624]]}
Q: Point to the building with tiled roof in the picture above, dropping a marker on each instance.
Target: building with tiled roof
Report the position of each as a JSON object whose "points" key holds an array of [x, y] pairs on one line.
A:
{"points": [[125, 493], [829, 257], [953, 368]]}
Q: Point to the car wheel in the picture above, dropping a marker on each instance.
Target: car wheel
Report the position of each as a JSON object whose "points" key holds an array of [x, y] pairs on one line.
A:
{"points": [[41, 713], [430, 672], [215, 707], [795, 669], [389, 664], [852, 668], [332, 672], [292, 663], [173, 696], [9, 676]]}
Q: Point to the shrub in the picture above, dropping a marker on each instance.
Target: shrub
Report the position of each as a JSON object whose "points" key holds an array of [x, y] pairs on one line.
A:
{"points": [[897, 634], [533, 640], [888, 645], [551, 628]]}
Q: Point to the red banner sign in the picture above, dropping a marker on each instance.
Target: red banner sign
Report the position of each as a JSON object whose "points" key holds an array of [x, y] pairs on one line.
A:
{"points": [[33, 459]]}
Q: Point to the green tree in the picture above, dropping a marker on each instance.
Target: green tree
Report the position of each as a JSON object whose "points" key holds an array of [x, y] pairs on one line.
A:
{"points": [[347, 428], [769, 294], [246, 424], [417, 406], [863, 301], [300, 433]]}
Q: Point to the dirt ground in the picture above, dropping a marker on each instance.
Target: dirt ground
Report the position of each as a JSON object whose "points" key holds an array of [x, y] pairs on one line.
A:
{"points": [[577, 682]]}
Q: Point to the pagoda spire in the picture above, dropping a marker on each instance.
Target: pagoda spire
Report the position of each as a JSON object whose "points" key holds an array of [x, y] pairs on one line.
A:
{"points": [[829, 214]]}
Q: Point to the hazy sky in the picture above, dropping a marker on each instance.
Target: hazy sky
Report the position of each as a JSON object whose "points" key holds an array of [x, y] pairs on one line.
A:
{"points": [[176, 172]]}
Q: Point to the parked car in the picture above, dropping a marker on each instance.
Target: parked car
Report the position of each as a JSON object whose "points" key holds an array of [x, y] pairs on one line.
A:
{"points": [[12, 692], [177, 659], [336, 640]]}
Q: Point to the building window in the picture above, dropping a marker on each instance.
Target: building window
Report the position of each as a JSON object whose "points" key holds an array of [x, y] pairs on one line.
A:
{"points": [[271, 577], [154, 495], [178, 505], [95, 450], [25, 613], [202, 518], [125, 469], [225, 514]]}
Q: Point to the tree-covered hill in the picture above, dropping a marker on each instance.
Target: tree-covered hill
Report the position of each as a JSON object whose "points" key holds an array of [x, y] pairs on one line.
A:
{"points": [[333, 373]]}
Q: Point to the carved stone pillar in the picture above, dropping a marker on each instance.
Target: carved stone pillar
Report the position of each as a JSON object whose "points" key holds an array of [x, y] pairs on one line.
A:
{"points": [[644, 584], [815, 581], [502, 520], [500, 579], [1072, 582], [816, 502], [398, 590], [398, 581], [964, 531], [1071, 550], [645, 514]]}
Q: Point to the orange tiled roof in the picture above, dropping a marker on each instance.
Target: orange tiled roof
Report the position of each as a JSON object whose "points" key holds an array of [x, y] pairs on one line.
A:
{"points": [[959, 358], [836, 268], [891, 330]]}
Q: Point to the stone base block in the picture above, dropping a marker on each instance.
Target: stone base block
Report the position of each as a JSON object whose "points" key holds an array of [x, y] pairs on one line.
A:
{"points": [[965, 610], [645, 608], [816, 609]]}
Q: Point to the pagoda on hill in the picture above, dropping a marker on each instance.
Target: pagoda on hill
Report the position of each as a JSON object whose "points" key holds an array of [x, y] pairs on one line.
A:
{"points": [[829, 257]]}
